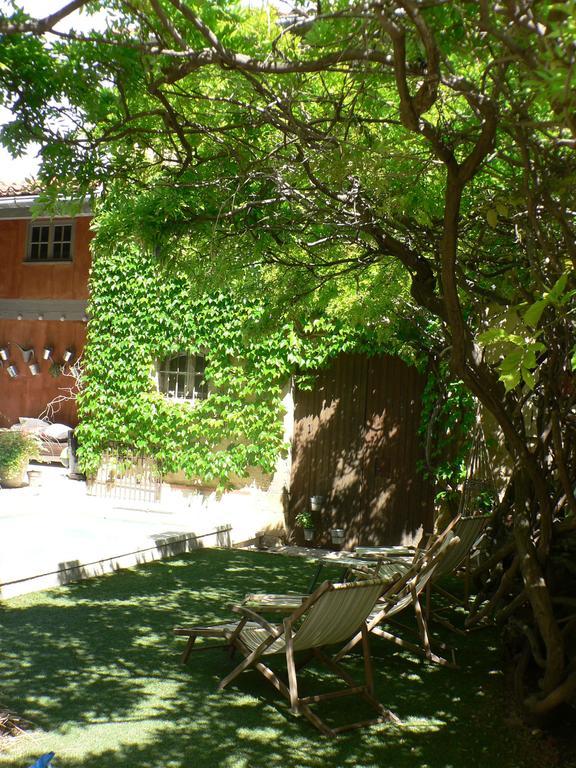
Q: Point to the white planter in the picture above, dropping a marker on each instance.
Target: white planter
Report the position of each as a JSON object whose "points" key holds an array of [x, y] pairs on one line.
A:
{"points": [[34, 478], [337, 535], [316, 503]]}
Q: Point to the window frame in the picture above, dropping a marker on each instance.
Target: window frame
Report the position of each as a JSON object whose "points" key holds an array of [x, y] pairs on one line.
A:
{"points": [[51, 224], [190, 374]]}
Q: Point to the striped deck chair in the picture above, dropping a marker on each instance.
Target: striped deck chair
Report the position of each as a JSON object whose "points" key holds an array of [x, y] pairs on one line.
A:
{"points": [[403, 590], [405, 556], [401, 575], [406, 592], [468, 529], [332, 614]]}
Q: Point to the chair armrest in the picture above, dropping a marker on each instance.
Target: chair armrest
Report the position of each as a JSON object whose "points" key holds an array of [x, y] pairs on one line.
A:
{"points": [[273, 603], [368, 569], [384, 553], [247, 613]]}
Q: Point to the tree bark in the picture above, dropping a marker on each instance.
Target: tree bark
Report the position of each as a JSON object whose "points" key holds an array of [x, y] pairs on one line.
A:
{"points": [[536, 587]]}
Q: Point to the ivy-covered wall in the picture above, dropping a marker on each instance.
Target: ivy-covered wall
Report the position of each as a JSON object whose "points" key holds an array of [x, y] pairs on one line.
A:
{"points": [[139, 314]]}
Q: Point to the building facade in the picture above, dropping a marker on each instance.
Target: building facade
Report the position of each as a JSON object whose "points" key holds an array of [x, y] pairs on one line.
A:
{"points": [[44, 267], [354, 437]]}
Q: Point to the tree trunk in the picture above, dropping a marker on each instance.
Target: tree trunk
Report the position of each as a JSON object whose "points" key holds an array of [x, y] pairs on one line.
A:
{"points": [[536, 587]]}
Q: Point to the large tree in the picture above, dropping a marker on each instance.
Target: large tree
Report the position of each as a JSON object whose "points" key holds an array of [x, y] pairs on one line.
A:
{"points": [[426, 140]]}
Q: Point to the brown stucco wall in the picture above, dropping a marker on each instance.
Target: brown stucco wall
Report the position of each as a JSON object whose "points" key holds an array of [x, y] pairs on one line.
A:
{"points": [[28, 395]]}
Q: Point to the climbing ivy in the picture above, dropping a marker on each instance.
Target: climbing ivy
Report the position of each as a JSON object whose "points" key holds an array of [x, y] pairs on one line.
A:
{"points": [[141, 313]]}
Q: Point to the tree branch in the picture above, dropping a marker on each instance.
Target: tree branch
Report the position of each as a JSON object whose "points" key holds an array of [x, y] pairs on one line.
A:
{"points": [[40, 26]]}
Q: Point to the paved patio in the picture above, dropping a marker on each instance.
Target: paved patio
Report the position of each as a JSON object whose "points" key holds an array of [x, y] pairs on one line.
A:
{"points": [[55, 533]]}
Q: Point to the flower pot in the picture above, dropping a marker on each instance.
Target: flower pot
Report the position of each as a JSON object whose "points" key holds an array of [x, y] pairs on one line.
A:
{"points": [[34, 478], [337, 536], [316, 503], [308, 534], [13, 479], [16, 450]]}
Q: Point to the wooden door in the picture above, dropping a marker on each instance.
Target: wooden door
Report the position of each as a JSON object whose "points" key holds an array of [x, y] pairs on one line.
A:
{"points": [[356, 443]]}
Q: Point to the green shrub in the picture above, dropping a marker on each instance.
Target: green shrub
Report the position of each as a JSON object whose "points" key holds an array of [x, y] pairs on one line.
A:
{"points": [[16, 450]]}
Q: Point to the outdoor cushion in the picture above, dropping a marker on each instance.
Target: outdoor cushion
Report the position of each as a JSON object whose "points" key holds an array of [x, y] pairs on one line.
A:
{"points": [[32, 425], [56, 431]]}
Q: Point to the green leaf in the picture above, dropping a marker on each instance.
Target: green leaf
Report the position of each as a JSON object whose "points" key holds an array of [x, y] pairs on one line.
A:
{"points": [[511, 379], [514, 338], [512, 361], [491, 336], [528, 377], [558, 289], [534, 312], [492, 217]]}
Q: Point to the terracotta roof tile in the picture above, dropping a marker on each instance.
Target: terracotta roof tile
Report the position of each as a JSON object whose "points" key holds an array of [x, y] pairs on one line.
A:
{"points": [[30, 187]]}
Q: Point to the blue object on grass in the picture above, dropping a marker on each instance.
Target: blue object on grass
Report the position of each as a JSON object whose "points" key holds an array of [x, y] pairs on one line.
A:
{"points": [[43, 761]]}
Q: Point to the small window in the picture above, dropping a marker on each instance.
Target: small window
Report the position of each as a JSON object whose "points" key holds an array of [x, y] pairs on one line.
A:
{"points": [[50, 241], [182, 377]]}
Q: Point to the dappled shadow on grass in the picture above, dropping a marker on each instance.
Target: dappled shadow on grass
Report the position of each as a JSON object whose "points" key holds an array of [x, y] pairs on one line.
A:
{"points": [[95, 666]]}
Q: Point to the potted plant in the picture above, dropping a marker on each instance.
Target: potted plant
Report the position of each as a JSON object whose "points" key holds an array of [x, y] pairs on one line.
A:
{"points": [[305, 521], [16, 450]]}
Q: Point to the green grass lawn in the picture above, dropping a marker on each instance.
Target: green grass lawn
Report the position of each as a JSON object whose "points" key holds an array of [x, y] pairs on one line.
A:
{"points": [[95, 667]]}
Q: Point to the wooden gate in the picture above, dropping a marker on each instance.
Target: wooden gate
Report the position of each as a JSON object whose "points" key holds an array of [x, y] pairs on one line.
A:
{"points": [[126, 477], [356, 443]]}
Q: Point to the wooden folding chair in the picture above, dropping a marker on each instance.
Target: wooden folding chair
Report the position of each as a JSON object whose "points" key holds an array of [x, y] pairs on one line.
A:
{"points": [[332, 614], [405, 592], [467, 528], [406, 581]]}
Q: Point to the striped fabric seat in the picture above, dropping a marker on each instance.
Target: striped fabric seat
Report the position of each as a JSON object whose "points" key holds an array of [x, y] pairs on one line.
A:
{"points": [[405, 592], [468, 530], [331, 620], [331, 615], [386, 552]]}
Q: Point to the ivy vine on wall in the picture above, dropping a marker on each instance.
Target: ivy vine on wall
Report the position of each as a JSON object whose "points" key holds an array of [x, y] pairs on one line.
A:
{"points": [[141, 314]]}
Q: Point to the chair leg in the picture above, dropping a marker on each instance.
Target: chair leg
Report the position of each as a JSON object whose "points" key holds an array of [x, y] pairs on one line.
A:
{"points": [[370, 624], [266, 672], [368, 669], [366, 691], [467, 581], [291, 668], [338, 669], [302, 707], [188, 650], [421, 621], [348, 647], [424, 636], [316, 721], [416, 649], [249, 658]]}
